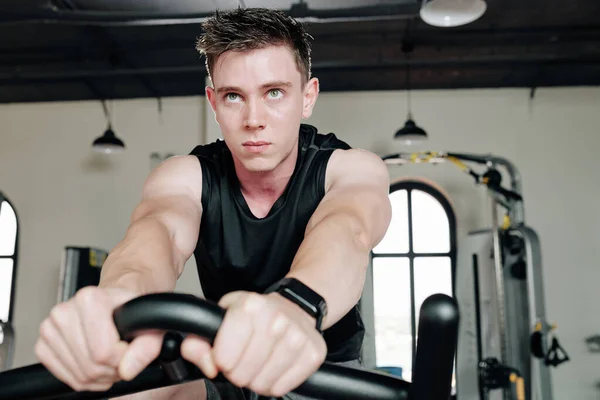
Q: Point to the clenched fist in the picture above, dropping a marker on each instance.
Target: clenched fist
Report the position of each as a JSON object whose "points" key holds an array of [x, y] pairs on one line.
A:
{"points": [[266, 343], [80, 345]]}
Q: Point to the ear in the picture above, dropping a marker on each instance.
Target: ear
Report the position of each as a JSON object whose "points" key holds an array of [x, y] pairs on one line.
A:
{"points": [[211, 95], [311, 92]]}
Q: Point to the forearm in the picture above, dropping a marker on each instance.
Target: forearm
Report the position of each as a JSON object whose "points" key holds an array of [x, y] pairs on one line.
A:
{"points": [[333, 260], [144, 261]]}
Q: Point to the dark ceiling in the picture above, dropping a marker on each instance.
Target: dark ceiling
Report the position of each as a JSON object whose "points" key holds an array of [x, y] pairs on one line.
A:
{"points": [[97, 49]]}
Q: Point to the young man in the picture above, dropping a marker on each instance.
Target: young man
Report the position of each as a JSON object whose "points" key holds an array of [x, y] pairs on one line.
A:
{"points": [[275, 205]]}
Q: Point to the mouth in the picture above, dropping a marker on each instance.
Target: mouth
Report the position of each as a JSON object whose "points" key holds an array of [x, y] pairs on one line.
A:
{"points": [[260, 143], [256, 147]]}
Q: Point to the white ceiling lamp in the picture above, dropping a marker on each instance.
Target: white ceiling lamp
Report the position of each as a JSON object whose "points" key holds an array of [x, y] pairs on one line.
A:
{"points": [[449, 13]]}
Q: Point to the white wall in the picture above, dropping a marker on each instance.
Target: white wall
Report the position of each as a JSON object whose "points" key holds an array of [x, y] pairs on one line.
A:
{"points": [[67, 196]]}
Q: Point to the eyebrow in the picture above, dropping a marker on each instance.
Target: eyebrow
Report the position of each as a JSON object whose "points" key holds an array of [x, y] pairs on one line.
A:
{"points": [[268, 85]]}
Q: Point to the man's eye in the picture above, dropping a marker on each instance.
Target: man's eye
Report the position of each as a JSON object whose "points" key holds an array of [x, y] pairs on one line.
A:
{"points": [[231, 96], [274, 93]]}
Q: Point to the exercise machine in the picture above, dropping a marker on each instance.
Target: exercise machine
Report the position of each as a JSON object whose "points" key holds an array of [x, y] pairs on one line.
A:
{"points": [[504, 318], [80, 267], [177, 314]]}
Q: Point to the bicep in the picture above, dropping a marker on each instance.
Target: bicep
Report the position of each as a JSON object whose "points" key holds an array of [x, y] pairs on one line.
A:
{"points": [[172, 194]]}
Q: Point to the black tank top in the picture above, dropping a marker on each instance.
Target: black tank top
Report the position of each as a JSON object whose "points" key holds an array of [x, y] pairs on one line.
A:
{"points": [[238, 251]]}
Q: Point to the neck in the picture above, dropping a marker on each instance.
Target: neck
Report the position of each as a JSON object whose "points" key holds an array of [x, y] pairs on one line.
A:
{"points": [[267, 184]]}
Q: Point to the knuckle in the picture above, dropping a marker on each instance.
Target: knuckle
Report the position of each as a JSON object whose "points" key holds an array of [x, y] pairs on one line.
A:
{"points": [[87, 297], [240, 380], [82, 377], [60, 313], [280, 322], [278, 392], [295, 338], [99, 354], [46, 330], [252, 302], [259, 387], [315, 356], [76, 385], [92, 373], [39, 352]]}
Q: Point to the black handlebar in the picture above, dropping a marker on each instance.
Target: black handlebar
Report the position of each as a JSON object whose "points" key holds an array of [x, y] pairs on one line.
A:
{"points": [[171, 312]]}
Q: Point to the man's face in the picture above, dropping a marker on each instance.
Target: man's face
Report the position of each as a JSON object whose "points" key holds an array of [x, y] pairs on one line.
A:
{"points": [[259, 100]]}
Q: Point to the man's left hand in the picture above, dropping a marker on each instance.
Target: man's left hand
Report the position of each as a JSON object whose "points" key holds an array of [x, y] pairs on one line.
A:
{"points": [[266, 344]]}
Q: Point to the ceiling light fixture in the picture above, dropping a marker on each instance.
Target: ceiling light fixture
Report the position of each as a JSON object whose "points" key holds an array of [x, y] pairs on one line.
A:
{"points": [[410, 133], [108, 142], [449, 13]]}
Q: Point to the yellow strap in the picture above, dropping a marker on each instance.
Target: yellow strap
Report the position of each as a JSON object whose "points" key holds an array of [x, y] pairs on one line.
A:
{"points": [[506, 223], [520, 389]]}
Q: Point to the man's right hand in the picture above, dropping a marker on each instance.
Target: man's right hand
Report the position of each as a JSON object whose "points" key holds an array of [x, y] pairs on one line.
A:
{"points": [[79, 343]]}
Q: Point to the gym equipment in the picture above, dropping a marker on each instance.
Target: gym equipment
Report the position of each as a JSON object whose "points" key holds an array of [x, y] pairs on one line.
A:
{"points": [[7, 333], [511, 332], [178, 314], [7, 345], [80, 267]]}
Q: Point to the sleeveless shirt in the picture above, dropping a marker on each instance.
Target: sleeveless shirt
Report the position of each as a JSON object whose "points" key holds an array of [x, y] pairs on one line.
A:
{"points": [[238, 251]]}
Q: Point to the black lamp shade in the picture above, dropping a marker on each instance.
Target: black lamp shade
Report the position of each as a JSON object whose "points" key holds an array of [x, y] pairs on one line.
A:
{"points": [[108, 143], [410, 133]]}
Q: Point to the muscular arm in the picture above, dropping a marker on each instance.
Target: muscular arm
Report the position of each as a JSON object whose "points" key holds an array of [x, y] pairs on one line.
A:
{"points": [[351, 219], [163, 231]]}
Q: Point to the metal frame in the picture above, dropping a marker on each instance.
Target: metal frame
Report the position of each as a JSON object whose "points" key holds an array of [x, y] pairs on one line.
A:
{"points": [[538, 378]]}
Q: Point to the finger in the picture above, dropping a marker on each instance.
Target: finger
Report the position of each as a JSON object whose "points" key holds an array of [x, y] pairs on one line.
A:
{"points": [[233, 335], [51, 336], [285, 354], [101, 335], [268, 330], [54, 364], [141, 352], [72, 344], [303, 367], [230, 299], [198, 351]]}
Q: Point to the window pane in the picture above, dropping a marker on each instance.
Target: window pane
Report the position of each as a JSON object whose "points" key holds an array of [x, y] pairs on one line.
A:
{"points": [[396, 237], [6, 270], [8, 229], [392, 313], [431, 229], [432, 275]]}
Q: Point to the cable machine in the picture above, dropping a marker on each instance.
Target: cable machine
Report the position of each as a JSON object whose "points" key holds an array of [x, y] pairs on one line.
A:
{"points": [[513, 341]]}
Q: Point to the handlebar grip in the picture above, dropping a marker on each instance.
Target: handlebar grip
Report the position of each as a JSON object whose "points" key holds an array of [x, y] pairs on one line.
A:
{"points": [[437, 341], [187, 313], [183, 313]]}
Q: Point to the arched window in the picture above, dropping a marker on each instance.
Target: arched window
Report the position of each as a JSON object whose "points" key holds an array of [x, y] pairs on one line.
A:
{"points": [[8, 257], [415, 259]]}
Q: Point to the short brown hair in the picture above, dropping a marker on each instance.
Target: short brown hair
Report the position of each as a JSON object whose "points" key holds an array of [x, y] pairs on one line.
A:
{"points": [[246, 29]]}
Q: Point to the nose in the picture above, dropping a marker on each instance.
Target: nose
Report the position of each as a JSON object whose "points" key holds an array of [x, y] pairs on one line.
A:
{"points": [[254, 116]]}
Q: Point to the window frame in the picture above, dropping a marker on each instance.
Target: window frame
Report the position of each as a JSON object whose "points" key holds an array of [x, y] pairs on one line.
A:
{"points": [[409, 185], [15, 259]]}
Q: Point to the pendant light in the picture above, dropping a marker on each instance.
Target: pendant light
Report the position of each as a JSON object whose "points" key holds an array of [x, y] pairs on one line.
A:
{"points": [[410, 133], [449, 13], [108, 142]]}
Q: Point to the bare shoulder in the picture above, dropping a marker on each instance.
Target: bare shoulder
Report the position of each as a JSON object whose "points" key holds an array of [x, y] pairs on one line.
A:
{"points": [[175, 175], [357, 166]]}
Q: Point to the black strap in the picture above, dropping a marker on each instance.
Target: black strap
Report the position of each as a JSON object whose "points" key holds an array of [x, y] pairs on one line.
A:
{"points": [[556, 354]]}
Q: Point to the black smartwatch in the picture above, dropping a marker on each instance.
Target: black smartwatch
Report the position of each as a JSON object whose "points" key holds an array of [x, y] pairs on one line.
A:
{"points": [[300, 294]]}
